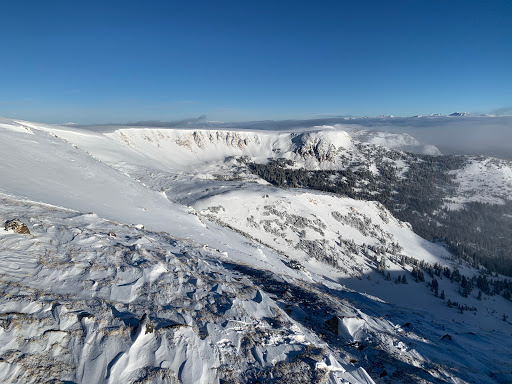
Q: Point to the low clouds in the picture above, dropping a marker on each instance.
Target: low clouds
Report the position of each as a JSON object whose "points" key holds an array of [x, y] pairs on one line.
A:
{"points": [[503, 111], [190, 122]]}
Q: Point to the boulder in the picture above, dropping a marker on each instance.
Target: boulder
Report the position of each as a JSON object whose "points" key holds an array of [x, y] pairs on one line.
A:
{"points": [[17, 226]]}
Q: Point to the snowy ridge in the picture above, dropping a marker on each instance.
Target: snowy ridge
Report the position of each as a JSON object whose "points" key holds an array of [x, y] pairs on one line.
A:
{"points": [[182, 148]]}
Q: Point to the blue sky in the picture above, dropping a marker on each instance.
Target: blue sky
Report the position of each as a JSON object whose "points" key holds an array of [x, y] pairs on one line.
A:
{"points": [[92, 62]]}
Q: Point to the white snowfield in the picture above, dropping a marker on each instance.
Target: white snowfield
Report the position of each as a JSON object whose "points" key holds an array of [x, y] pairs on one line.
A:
{"points": [[485, 180], [145, 264]]}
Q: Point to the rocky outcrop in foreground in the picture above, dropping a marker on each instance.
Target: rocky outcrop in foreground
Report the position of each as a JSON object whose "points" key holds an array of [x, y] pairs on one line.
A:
{"points": [[17, 226]]}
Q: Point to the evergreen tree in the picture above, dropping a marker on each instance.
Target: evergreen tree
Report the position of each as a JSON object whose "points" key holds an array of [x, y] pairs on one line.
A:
{"points": [[381, 267]]}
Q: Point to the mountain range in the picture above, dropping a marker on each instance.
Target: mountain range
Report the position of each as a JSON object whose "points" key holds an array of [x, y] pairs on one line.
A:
{"points": [[327, 253]]}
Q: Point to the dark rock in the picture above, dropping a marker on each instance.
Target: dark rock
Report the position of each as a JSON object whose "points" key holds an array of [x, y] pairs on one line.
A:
{"points": [[294, 264], [85, 315], [333, 324], [145, 325]]}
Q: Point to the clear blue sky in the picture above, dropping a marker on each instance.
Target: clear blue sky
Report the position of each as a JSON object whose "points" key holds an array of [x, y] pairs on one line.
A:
{"points": [[119, 61]]}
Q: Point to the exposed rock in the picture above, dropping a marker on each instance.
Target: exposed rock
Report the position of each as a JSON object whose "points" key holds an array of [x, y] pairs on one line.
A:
{"points": [[333, 324], [144, 326], [294, 264], [17, 226], [323, 145]]}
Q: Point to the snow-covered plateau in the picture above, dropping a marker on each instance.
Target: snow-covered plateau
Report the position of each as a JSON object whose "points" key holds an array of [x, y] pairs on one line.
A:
{"points": [[158, 255]]}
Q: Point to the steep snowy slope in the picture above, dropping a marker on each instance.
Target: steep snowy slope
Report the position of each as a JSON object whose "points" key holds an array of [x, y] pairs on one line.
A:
{"points": [[351, 241], [38, 166], [231, 280], [341, 232]]}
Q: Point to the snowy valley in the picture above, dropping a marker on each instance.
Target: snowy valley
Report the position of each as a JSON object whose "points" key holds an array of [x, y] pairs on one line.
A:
{"points": [[169, 255]]}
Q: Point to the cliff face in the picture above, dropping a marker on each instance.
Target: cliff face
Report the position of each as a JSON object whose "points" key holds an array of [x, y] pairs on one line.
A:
{"points": [[323, 145], [199, 146]]}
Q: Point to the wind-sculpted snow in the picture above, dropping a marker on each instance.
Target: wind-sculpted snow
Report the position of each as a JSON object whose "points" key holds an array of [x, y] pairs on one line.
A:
{"points": [[89, 301]]}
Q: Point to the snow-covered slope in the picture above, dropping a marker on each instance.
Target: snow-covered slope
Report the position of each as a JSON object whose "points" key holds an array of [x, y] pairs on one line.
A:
{"points": [[90, 301], [120, 282], [341, 232], [485, 180]]}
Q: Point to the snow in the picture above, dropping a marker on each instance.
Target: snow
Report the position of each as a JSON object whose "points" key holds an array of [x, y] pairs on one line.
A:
{"points": [[142, 264], [484, 180], [392, 140], [43, 168], [273, 221], [106, 336]]}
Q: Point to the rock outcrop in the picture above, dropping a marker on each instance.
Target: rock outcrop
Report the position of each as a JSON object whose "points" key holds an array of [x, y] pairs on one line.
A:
{"points": [[17, 226]]}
